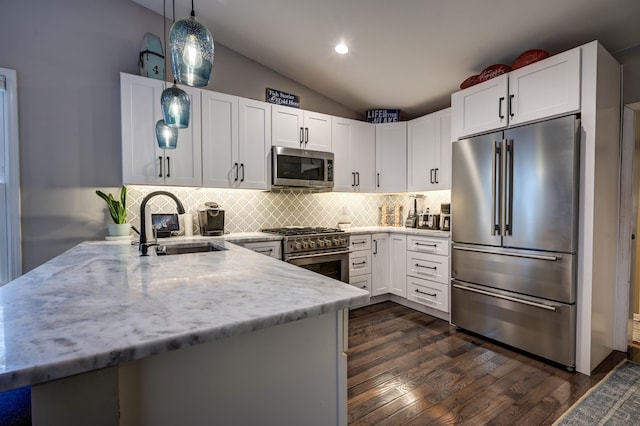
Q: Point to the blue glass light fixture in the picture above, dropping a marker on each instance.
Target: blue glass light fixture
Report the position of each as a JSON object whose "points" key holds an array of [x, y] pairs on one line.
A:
{"points": [[191, 46], [167, 136], [175, 105]]}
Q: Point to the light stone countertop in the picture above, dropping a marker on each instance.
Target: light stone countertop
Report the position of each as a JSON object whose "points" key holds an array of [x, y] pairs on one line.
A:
{"points": [[100, 304], [398, 230]]}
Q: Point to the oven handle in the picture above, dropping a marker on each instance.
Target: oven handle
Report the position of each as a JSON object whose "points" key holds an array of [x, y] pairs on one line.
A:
{"points": [[306, 256], [501, 296]]}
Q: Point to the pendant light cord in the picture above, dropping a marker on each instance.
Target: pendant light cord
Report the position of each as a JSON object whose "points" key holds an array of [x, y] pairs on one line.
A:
{"points": [[164, 35], [173, 21], [193, 12]]}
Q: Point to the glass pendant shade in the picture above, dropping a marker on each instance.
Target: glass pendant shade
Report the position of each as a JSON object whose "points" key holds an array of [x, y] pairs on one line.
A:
{"points": [[167, 136], [191, 46], [175, 107]]}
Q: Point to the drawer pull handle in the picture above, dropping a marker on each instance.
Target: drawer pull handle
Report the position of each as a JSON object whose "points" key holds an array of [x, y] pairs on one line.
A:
{"points": [[364, 286], [425, 293], [417, 265], [359, 263], [506, 253], [500, 296], [358, 242], [265, 251], [418, 244]]}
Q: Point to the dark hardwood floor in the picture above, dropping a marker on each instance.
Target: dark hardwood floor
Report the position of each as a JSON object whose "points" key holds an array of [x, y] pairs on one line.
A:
{"points": [[408, 368]]}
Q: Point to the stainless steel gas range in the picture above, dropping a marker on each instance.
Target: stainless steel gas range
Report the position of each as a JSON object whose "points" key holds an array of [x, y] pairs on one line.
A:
{"points": [[322, 250]]}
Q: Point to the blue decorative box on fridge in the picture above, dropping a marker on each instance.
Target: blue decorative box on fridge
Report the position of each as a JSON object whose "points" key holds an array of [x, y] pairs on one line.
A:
{"points": [[151, 59]]}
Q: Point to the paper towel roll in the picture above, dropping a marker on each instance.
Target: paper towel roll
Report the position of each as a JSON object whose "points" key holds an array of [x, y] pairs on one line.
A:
{"points": [[187, 220]]}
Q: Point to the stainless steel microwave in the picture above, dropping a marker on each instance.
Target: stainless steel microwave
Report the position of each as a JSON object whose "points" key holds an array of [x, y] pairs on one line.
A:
{"points": [[301, 168]]}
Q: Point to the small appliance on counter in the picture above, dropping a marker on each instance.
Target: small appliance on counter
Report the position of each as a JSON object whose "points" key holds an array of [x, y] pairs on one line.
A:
{"points": [[412, 218], [428, 220], [211, 218], [164, 224], [445, 217]]}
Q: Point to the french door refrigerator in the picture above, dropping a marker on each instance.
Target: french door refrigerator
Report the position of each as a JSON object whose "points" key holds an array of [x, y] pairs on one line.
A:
{"points": [[514, 231]]}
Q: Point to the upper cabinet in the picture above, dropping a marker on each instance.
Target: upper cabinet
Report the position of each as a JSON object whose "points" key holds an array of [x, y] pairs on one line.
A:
{"points": [[297, 128], [354, 148], [236, 139], [429, 152], [391, 157], [543, 89], [143, 162]]}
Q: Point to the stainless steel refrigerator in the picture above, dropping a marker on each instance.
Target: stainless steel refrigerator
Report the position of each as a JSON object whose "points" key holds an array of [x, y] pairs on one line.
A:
{"points": [[514, 217]]}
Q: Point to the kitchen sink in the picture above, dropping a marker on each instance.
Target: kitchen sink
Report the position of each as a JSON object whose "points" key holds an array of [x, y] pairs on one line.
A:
{"points": [[184, 248]]}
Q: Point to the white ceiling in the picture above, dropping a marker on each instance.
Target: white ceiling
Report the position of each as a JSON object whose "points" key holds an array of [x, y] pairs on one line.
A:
{"points": [[406, 54]]}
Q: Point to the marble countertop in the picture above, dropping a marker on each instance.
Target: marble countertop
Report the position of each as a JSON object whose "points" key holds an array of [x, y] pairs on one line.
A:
{"points": [[100, 304], [398, 230]]}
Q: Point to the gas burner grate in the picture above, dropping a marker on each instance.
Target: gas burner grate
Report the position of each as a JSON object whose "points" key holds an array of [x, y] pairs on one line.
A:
{"points": [[293, 230]]}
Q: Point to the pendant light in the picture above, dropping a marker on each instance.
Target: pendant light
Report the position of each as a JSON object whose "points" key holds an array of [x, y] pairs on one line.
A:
{"points": [[175, 107], [167, 136], [191, 46]]}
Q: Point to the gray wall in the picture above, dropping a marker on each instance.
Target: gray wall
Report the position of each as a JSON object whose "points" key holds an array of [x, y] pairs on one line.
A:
{"points": [[68, 55]]}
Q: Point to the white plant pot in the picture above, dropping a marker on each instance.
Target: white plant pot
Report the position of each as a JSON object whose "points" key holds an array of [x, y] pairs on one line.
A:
{"points": [[119, 229]]}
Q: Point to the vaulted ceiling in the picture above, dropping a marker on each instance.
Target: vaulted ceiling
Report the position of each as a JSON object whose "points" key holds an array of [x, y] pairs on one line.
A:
{"points": [[406, 54]]}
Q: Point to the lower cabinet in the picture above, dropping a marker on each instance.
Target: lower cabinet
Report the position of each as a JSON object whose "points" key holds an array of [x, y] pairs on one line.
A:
{"points": [[360, 263], [427, 268], [268, 248], [397, 265], [380, 269]]}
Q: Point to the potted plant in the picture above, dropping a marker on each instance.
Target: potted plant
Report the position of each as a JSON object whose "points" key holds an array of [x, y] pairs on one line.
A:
{"points": [[118, 212]]}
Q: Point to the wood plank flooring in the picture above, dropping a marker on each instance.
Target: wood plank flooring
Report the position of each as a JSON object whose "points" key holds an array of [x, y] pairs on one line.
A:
{"points": [[408, 368]]}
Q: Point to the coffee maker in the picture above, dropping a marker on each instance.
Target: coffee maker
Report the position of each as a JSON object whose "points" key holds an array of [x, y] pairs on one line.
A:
{"points": [[428, 220], [211, 218], [445, 212]]}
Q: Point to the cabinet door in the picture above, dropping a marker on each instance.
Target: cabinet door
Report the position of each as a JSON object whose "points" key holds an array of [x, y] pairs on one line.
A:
{"points": [[220, 164], [546, 88], [287, 128], [361, 281], [480, 108], [380, 278], [254, 143], [183, 165], [140, 110], [317, 135], [391, 157], [443, 137], [397, 264], [421, 153], [343, 135], [364, 154]]}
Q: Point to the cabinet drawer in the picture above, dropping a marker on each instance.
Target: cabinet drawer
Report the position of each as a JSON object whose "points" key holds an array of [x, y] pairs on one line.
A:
{"points": [[429, 245], [361, 242], [268, 248], [429, 266], [360, 262], [361, 281], [428, 293]]}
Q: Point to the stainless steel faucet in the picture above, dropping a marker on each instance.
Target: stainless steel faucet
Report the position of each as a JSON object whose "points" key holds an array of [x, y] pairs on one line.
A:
{"points": [[144, 246]]}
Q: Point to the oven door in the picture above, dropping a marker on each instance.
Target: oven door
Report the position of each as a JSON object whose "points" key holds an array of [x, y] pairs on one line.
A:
{"points": [[333, 265]]}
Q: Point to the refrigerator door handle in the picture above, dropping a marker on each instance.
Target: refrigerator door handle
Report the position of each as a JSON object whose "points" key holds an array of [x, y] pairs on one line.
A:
{"points": [[509, 298], [503, 188], [508, 253], [508, 188], [495, 191]]}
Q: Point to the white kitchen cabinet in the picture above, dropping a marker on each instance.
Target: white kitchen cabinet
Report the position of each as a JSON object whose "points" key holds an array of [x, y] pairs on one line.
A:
{"points": [[380, 275], [297, 128], [391, 157], [429, 152], [397, 264], [268, 248], [546, 88], [360, 262], [427, 269], [354, 155], [236, 141], [143, 162]]}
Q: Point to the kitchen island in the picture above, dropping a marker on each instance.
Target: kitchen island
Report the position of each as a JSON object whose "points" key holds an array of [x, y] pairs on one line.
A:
{"points": [[105, 336]]}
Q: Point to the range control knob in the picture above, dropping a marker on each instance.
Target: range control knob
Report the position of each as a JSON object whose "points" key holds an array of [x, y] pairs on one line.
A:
{"points": [[321, 243], [297, 245], [327, 242], [305, 244], [312, 244]]}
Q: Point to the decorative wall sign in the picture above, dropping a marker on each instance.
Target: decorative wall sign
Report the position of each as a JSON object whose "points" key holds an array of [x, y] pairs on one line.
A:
{"points": [[383, 115], [279, 97]]}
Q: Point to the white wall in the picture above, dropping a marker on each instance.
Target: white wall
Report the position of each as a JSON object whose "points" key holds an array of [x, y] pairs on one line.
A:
{"points": [[68, 55]]}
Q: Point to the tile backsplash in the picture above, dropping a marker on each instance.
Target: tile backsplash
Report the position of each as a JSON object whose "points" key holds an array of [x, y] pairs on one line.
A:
{"points": [[248, 211]]}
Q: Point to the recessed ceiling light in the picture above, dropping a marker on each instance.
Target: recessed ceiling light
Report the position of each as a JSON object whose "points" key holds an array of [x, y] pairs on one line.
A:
{"points": [[342, 49]]}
